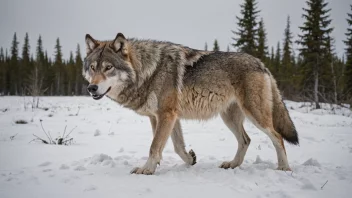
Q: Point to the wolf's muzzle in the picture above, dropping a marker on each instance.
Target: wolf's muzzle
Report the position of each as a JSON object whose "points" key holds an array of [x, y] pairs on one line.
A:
{"points": [[92, 88]]}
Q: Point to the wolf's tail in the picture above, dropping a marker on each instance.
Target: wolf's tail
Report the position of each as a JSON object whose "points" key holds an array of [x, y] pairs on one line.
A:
{"points": [[281, 119]]}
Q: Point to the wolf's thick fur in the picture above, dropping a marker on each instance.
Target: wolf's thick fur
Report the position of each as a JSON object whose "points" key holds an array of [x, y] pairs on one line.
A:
{"points": [[168, 82]]}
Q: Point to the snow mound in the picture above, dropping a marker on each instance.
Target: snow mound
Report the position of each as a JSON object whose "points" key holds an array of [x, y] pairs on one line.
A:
{"points": [[312, 162], [102, 159], [97, 132]]}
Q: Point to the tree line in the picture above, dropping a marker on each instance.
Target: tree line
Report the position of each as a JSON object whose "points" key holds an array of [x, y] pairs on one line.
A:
{"points": [[315, 74], [39, 75]]}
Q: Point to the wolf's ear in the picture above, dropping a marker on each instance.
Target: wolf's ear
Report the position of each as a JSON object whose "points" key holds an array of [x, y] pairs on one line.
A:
{"points": [[91, 43], [119, 44]]}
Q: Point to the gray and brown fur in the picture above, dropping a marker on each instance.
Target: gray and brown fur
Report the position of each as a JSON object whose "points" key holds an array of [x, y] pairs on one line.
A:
{"points": [[168, 82]]}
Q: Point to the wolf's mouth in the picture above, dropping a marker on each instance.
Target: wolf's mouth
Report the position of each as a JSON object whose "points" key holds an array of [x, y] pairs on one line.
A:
{"points": [[97, 97]]}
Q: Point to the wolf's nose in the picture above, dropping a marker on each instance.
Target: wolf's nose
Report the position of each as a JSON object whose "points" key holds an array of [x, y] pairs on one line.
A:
{"points": [[92, 88]]}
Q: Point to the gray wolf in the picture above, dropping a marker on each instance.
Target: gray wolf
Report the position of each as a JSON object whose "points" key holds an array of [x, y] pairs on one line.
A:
{"points": [[168, 82]]}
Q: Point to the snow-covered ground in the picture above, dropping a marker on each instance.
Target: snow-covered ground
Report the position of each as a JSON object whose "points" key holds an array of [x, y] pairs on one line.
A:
{"points": [[109, 141]]}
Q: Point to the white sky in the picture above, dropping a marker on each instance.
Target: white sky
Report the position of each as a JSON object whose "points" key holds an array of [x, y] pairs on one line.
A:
{"points": [[191, 23]]}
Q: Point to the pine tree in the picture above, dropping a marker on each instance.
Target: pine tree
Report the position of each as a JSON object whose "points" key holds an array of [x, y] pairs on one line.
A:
{"points": [[277, 63], [41, 65], [12, 78], [348, 67], [247, 33], [216, 46], [262, 52], [35, 78], [329, 92], [228, 48], [287, 61], [58, 68], [313, 42], [25, 62], [206, 46], [71, 74], [2, 71], [287, 48], [39, 49], [26, 50], [80, 83]]}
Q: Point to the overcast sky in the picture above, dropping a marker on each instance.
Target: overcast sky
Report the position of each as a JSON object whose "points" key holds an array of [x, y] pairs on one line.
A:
{"points": [[191, 23]]}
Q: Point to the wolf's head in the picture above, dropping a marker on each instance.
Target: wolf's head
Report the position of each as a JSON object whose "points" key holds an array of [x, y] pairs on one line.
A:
{"points": [[108, 66]]}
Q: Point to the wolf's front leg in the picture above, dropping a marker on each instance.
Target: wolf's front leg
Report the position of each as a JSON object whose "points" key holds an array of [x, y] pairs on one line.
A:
{"points": [[165, 123]]}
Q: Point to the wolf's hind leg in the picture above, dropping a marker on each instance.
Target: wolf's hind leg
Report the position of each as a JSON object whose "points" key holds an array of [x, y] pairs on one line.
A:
{"points": [[258, 107], [179, 145], [233, 118]]}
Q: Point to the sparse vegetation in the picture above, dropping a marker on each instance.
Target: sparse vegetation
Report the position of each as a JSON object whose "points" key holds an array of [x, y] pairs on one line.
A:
{"points": [[65, 139], [21, 121]]}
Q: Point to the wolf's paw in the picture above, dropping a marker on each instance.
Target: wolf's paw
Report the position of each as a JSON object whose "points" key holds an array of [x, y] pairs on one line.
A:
{"points": [[139, 171], [284, 168], [230, 164], [194, 157]]}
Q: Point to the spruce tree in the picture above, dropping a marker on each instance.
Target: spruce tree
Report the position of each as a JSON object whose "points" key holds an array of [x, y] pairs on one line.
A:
{"points": [[41, 65], [228, 48], [287, 48], [272, 57], [58, 69], [348, 67], [39, 49], [287, 61], [80, 83], [313, 43], [277, 62], [26, 50], [206, 46], [262, 52], [71, 74], [25, 62], [12, 80], [2, 71], [216, 46], [247, 34]]}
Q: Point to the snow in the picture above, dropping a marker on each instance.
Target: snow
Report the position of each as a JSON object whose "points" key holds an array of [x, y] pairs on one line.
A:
{"points": [[99, 165]]}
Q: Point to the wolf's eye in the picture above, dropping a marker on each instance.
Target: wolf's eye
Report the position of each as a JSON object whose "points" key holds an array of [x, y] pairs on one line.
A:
{"points": [[108, 67], [92, 67]]}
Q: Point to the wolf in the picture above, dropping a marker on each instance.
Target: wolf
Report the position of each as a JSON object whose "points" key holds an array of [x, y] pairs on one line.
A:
{"points": [[168, 82]]}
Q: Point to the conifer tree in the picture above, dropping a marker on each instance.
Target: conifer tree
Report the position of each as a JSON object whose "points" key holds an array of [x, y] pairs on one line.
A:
{"points": [[216, 46], [25, 62], [12, 80], [71, 74], [246, 36], [39, 49], [26, 51], [58, 69], [206, 46], [228, 48], [262, 51], [313, 44], [348, 67], [277, 62], [80, 83], [287, 61], [2, 71]]}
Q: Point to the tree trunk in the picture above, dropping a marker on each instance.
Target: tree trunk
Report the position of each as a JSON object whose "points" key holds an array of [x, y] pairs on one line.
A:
{"points": [[316, 84], [334, 81]]}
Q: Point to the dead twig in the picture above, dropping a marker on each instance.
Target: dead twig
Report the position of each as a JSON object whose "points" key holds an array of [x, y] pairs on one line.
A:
{"points": [[324, 184], [41, 124], [70, 132], [38, 138], [13, 137], [64, 131], [79, 108]]}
